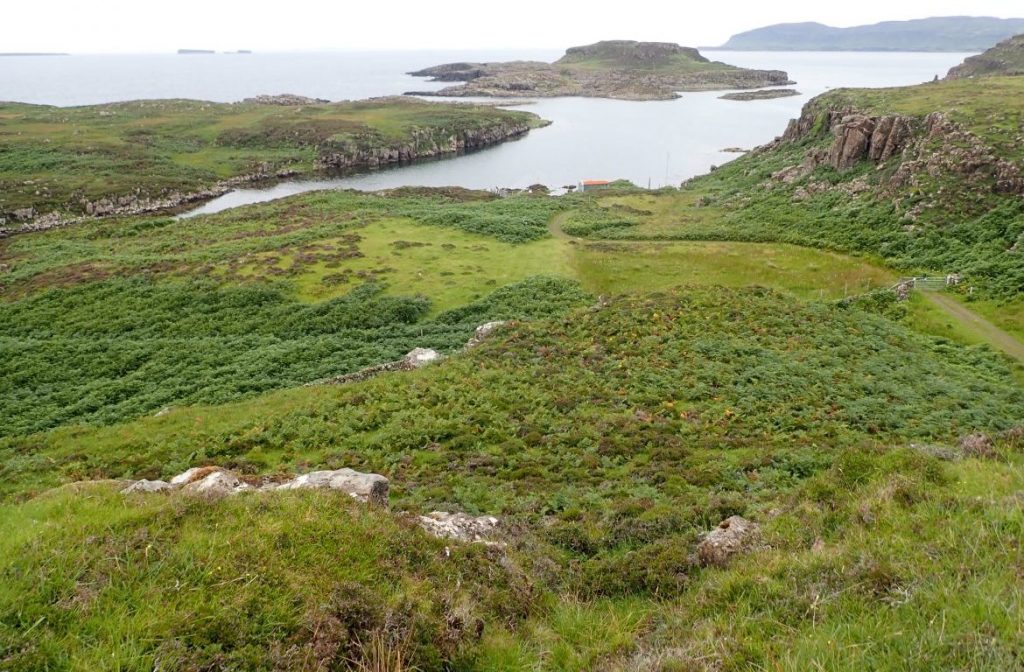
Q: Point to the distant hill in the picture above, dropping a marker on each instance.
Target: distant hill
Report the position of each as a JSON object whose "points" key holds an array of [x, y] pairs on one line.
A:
{"points": [[1006, 58], [950, 33]]}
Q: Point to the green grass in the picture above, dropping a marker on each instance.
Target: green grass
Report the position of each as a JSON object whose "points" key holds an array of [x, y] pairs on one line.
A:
{"points": [[60, 158], [607, 441]]}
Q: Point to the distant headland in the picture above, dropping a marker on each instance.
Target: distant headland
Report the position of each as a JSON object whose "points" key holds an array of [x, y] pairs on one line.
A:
{"points": [[194, 52], [944, 33]]}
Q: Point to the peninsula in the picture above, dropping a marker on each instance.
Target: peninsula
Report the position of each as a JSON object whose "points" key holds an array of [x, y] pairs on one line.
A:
{"points": [[619, 69], [153, 155]]}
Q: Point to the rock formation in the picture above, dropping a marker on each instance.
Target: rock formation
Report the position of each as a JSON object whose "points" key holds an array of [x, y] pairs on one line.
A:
{"points": [[460, 527], [216, 481], [733, 535]]}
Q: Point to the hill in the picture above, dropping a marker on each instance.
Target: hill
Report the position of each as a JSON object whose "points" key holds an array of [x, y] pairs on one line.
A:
{"points": [[1006, 58], [707, 435], [952, 33], [613, 69]]}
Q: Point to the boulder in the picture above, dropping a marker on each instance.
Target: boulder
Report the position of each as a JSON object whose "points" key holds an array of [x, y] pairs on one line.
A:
{"points": [[733, 535], [193, 474], [371, 488], [146, 486], [483, 331], [217, 483], [421, 357], [459, 526]]}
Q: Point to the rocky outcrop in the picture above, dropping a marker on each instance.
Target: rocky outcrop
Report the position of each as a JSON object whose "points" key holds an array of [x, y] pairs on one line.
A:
{"points": [[371, 488], [914, 151], [426, 143], [623, 70], [138, 204], [460, 527], [732, 536], [218, 482]]}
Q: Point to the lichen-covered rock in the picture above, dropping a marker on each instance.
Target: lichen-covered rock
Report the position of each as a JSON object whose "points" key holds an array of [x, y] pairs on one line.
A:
{"points": [[484, 331], [372, 488], [420, 357], [216, 483], [145, 486], [733, 535], [193, 474], [459, 526]]}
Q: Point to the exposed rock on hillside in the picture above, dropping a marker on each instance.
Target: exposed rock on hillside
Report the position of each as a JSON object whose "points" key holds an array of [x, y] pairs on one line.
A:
{"points": [[615, 69], [1006, 58], [914, 151], [372, 488], [460, 527], [733, 535]]}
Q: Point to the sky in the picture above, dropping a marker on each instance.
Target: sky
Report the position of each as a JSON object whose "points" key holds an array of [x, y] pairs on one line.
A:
{"points": [[148, 26]]}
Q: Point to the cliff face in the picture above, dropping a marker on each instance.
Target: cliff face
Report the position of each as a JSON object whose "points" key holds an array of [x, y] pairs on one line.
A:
{"points": [[426, 143], [931, 155], [1006, 58]]}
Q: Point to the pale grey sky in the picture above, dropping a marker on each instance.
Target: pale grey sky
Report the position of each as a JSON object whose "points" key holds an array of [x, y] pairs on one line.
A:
{"points": [[165, 25]]}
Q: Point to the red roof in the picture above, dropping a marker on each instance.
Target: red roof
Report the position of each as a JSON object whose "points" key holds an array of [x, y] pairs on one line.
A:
{"points": [[594, 183]]}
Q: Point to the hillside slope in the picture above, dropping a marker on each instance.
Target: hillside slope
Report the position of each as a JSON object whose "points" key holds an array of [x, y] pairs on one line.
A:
{"points": [[951, 33], [928, 177], [608, 442], [1006, 58]]}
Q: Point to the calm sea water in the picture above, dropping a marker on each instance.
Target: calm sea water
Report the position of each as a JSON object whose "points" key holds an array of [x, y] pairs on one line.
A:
{"points": [[650, 143]]}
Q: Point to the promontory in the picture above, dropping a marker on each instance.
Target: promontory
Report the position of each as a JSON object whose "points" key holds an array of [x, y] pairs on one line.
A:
{"points": [[618, 69]]}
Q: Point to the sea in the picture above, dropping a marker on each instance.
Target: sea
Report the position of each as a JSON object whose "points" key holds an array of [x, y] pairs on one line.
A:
{"points": [[651, 143]]}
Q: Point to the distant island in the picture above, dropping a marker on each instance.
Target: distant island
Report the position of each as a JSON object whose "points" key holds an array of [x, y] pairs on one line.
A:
{"points": [[33, 53], [1006, 58], [620, 69], [192, 52], [949, 33]]}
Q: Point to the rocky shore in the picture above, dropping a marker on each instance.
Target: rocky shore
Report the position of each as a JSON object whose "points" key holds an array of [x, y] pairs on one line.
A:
{"points": [[764, 94], [621, 70]]}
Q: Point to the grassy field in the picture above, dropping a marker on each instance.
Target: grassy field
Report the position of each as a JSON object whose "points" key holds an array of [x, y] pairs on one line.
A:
{"points": [[60, 158]]}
